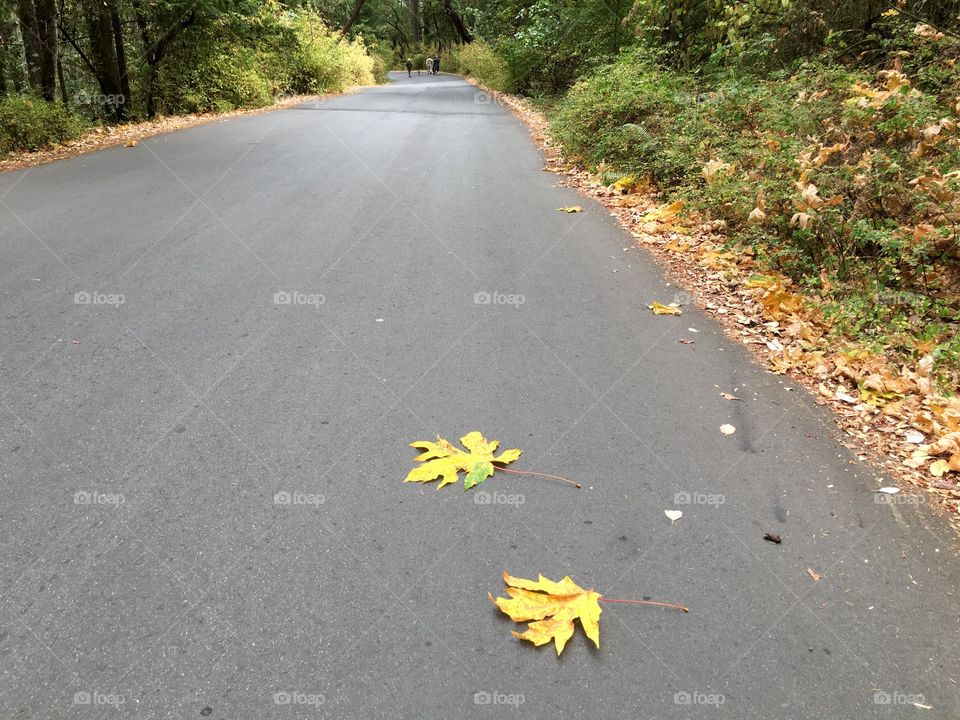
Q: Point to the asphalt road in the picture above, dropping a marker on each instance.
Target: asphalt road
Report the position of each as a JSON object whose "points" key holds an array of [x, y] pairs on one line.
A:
{"points": [[151, 570]]}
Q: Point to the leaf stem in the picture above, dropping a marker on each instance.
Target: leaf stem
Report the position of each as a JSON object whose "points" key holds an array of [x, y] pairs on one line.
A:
{"points": [[647, 602], [539, 474]]}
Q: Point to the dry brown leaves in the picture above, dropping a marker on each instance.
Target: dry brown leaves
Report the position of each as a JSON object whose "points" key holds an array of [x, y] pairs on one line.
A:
{"points": [[892, 413]]}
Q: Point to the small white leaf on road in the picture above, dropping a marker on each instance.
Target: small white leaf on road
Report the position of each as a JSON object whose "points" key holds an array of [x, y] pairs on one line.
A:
{"points": [[674, 515], [727, 429]]}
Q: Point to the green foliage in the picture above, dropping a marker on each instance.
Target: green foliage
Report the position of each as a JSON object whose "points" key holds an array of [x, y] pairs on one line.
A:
{"points": [[479, 60], [30, 124], [240, 61], [852, 169]]}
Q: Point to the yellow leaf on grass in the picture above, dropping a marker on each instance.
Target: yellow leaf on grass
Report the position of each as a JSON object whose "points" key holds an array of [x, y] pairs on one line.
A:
{"points": [[626, 184], [571, 209], [664, 212], [552, 606], [444, 460], [661, 309]]}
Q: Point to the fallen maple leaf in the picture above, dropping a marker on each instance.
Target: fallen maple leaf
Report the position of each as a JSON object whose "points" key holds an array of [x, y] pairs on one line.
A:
{"points": [[661, 309], [553, 606], [442, 459], [664, 212]]}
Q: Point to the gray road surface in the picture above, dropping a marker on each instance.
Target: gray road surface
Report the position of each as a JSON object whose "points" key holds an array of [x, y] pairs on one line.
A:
{"points": [[153, 429]]}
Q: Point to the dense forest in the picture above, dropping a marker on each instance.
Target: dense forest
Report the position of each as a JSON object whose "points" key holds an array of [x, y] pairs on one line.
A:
{"points": [[823, 135]]}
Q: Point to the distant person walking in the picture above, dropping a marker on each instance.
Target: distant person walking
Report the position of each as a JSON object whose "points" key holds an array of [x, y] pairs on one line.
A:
{"points": [[409, 67], [436, 65], [429, 64]]}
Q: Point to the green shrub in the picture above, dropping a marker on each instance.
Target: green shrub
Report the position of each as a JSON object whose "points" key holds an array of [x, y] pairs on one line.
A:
{"points": [[241, 62], [876, 157], [479, 60], [31, 124]]}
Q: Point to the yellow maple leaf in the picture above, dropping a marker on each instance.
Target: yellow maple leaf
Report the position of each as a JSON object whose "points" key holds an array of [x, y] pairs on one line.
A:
{"points": [[664, 212], [661, 309], [626, 184], [444, 460], [552, 606]]}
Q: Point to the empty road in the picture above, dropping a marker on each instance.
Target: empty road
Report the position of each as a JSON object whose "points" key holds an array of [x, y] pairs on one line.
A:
{"points": [[216, 348]]}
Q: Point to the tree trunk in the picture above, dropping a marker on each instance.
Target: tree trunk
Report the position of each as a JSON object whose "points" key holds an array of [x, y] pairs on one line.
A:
{"points": [[415, 21], [121, 56], [457, 21], [6, 34], [153, 52], [357, 7], [27, 17], [46, 14], [103, 53]]}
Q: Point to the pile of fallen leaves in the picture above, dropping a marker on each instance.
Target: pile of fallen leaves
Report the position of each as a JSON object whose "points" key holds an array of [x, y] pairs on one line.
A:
{"points": [[894, 412]]}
